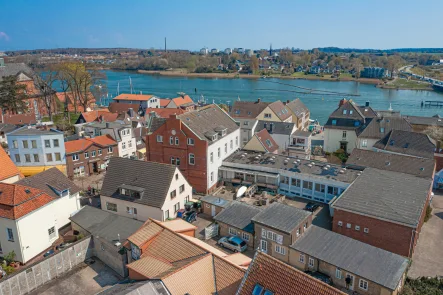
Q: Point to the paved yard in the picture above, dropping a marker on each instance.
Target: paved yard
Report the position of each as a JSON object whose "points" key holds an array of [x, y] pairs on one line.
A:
{"points": [[84, 279], [95, 181], [427, 259], [321, 216]]}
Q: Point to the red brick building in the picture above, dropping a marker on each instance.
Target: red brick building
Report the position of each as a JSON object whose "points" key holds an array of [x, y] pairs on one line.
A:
{"points": [[197, 142], [385, 209]]}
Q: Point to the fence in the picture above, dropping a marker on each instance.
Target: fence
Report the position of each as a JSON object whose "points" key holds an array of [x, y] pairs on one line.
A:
{"points": [[44, 271]]}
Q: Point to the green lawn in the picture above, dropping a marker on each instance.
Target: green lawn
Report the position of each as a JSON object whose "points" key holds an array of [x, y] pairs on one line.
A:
{"points": [[57, 118], [410, 84]]}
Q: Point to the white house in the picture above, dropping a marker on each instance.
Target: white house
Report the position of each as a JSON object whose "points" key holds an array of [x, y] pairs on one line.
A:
{"points": [[143, 190], [143, 100], [34, 209]]}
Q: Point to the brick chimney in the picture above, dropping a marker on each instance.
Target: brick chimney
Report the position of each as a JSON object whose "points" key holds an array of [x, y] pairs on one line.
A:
{"points": [[258, 100], [342, 102]]}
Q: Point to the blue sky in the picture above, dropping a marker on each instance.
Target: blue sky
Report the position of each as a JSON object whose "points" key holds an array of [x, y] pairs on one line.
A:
{"points": [[193, 24]]}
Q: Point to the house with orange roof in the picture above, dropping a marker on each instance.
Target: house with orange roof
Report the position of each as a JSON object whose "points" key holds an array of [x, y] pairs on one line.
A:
{"points": [[9, 173], [29, 219], [262, 141], [87, 156], [102, 115], [183, 102], [142, 100]]}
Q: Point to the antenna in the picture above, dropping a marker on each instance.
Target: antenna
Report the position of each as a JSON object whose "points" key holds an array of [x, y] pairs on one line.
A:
{"points": [[165, 45], [118, 88], [130, 84]]}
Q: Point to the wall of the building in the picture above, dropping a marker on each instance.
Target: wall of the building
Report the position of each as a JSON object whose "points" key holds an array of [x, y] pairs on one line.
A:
{"points": [[180, 197], [247, 131], [274, 117], [283, 141], [65, 207], [332, 138], [87, 162], [254, 145], [207, 209], [12, 179], [369, 145], [143, 212], [224, 232], [108, 253]]}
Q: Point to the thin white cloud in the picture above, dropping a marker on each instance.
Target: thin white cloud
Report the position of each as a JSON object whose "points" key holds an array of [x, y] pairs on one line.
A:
{"points": [[4, 36]]}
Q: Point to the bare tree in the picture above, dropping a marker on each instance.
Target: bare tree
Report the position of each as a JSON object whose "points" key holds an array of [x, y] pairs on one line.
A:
{"points": [[44, 81]]}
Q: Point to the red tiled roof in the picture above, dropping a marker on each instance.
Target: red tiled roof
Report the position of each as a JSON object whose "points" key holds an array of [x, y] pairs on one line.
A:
{"points": [[164, 102], [140, 97], [80, 145], [17, 200], [20, 119], [61, 98], [182, 100], [8, 169], [95, 115], [263, 136], [165, 112], [122, 107]]}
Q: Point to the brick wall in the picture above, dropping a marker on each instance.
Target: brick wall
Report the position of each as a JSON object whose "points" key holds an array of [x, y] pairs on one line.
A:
{"points": [[86, 162]]}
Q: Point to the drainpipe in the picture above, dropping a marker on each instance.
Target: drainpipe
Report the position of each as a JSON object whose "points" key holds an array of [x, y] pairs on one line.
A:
{"points": [[413, 232]]}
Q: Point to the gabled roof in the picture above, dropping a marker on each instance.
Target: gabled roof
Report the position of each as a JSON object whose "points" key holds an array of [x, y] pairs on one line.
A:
{"points": [[151, 177], [165, 112], [298, 108], [206, 120], [239, 215], [12, 69], [276, 127], [386, 124], [248, 109], [281, 279], [266, 141], [426, 121], [49, 180], [20, 119], [97, 115], [348, 113], [8, 168], [122, 107], [181, 101], [139, 97], [164, 102], [352, 111], [6, 128], [386, 195], [408, 143], [368, 262], [281, 217], [83, 144], [421, 167], [280, 110], [18, 200]]}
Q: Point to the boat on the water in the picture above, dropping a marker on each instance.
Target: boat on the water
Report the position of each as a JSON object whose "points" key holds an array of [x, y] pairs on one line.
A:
{"points": [[437, 87]]}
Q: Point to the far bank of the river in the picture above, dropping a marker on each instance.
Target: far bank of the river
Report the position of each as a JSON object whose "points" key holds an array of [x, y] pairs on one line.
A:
{"points": [[251, 76]]}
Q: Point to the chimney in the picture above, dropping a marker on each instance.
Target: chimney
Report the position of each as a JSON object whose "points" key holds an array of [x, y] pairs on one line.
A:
{"points": [[258, 100], [131, 112], [287, 101], [342, 102], [367, 103], [108, 125]]}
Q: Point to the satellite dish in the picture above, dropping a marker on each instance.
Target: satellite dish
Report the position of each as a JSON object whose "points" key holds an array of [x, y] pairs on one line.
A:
{"points": [[241, 191]]}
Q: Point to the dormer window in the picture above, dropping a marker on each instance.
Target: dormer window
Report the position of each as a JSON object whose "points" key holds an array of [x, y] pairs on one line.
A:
{"points": [[345, 112], [382, 130], [131, 191], [211, 135], [221, 130], [350, 112]]}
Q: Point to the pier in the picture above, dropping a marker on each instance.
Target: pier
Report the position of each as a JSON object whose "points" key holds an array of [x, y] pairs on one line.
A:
{"points": [[432, 103]]}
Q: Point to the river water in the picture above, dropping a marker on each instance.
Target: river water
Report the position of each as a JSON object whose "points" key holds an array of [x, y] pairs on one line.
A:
{"points": [[321, 105]]}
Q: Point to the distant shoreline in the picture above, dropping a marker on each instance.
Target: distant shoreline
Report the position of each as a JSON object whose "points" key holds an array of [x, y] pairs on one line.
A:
{"points": [[247, 76]]}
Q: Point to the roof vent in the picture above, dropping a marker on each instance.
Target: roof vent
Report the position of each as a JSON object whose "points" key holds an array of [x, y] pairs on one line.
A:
{"points": [[27, 191], [422, 169], [295, 162], [298, 160], [286, 162], [309, 165], [257, 158], [388, 163], [342, 171], [358, 174], [329, 166], [243, 156], [287, 159], [344, 168], [312, 163]]}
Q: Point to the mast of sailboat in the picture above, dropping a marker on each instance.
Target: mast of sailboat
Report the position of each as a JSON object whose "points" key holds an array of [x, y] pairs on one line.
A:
{"points": [[118, 88], [130, 84]]}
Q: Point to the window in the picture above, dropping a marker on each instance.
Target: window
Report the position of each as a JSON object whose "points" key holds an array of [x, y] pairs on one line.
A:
{"points": [[177, 161], [245, 236], [99, 152], [348, 225], [232, 231], [173, 194], [159, 138], [212, 176], [366, 230], [10, 234], [27, 158], [79, 171], [340, 223], [271, 236], [191, 159], [357, 227], [257, 290], [219, 153], [172, 161], [246, 123], [211, 157], [264, 246], [236, 141], [176, 207], [344, 134], [191, 141], [311, 262], [307, 185], [176, 141], [280, 249], [362, 284], [123, 145], [187, 199], [166, 214], [47, 143], [49, 157], [33, 144], [295, 182], [75, 157], [111, 206], [110, 148], [15, 144], [55, 143], [302, 258], [364, 143], [25, 144], [130, 143], [345, 112], [171, 140], [268, 115], [319, 188], [226, 148], [268, 143], [36, 158], [176, 176], [305, 226], [382, 130], [350, 112], [182, 188], [51, 233], [338, 274], [334, 122], [332, 190], [58, 156], [231, 144]]}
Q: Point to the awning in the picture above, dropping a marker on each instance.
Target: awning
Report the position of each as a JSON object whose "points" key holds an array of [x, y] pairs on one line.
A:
{"points": [[32, 170]]}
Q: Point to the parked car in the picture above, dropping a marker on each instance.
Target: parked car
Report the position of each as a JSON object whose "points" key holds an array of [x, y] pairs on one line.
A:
{"points": [[190, 216], [49, 253], [311, 206], [233, 243], [319, 276]]}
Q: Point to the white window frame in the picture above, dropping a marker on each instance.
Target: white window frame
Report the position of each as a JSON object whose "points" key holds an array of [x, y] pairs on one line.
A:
{"points": [[348, 225], [109, 203], [363, 284], [245, 237], [110, 149], [75, 157], [177, 141], [93, 153], [171, 140], [52, 234], [357, 227], [280, 249], [191, 141], [211, 157], [338, 273], [311, 262], [232, 231], [366, 230], [263, 233], [159, 138], [340, 223], [301, 258], [10, 234], [364, 143], [191, 156]]}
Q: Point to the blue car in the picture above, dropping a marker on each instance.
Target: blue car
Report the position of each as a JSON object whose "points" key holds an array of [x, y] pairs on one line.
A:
{"points": [[233, 243]]}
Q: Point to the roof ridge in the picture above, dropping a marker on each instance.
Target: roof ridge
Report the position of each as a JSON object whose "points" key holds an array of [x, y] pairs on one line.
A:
{"points": [[198, 258]]}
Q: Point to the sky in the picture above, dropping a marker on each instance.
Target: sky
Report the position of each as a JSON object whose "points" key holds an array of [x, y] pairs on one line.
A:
{"points": [[194, 24]]}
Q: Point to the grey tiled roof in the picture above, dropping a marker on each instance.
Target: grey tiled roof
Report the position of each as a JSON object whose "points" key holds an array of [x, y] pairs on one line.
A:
{"points": [[366, 261], [373, 129], [154, 178], [281, 217], [217, 201], [32, 131], [360, 114], [429, 121], [12, 69], [277, 127], [248, 109], [50, 178], [386, 195], [421, 167], [6, 128], [106, 225], [280, 110], [408, 143], [302, 133], [298, 107], [206, 120], [238, 215]]}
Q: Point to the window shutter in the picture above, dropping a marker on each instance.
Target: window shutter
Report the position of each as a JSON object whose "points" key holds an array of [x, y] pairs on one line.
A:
{"points": [[280, 239]]}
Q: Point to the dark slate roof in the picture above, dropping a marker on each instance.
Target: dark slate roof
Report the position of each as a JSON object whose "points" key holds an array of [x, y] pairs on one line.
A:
{"points": [[302, 133], [214, 200], [48, 179], [349, 124], [373, 129], [360, 114], [247, 109], [105, 224], [366, 261], [156, 123], [12, 69], [348, 106], [281, 217], [428, 121], [239, 215], [421, 167], [368, 112], [267, 141], [298, 107], [6, 128], [277, 127], [153, 178], [408, 143], [206, 120], [386, 195], [280, 110]]}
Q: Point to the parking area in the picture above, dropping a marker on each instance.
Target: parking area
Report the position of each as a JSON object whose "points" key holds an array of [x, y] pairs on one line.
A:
{"points": [[84, 279], [427, 260]]}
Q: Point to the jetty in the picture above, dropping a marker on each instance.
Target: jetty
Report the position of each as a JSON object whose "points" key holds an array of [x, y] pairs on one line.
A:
{"points": [[432, 103]]}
